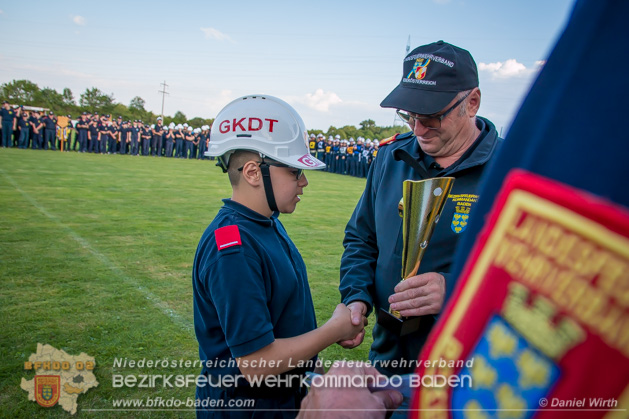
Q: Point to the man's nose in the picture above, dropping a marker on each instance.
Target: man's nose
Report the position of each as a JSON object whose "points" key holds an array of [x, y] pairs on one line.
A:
{"points": [[418, 128]]}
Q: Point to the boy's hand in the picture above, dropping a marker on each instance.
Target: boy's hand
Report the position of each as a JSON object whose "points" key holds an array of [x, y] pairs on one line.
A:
{"points": [[358, 310], [342, 321]]}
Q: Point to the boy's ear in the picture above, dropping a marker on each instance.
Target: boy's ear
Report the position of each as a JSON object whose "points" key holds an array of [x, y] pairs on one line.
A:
{"points": [[251, 173]]}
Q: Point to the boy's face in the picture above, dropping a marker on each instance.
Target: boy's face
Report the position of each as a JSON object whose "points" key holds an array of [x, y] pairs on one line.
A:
{"points": [[287, 188]]}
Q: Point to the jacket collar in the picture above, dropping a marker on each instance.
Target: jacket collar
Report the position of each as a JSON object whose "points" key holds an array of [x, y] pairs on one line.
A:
{"points": [[481, 151], [249, 213]]}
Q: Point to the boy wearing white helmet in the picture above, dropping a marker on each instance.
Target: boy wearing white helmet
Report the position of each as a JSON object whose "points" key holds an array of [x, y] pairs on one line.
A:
{"points": [[135, 137], [253, 312], [179, 134], [157, 130], [312, 145], [189, 137], [203, 136], [169, 140], [145, 135]]}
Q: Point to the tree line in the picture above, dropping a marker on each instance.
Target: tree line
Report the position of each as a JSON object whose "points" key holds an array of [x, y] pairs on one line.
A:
{"points": [[25, 92]]}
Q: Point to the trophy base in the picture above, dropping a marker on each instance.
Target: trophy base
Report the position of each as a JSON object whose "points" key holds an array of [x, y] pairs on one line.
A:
{"points": [[397, 326]]}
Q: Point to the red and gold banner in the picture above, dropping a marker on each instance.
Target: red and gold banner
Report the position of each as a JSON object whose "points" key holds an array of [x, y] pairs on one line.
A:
{"points": [[539, 322]]}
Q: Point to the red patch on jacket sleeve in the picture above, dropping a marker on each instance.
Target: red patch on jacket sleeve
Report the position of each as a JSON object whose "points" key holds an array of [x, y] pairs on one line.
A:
{"points": [[227, 236]]}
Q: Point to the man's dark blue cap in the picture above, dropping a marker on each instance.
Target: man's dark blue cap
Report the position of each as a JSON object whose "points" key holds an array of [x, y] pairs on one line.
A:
{"points": [[432, 76]]}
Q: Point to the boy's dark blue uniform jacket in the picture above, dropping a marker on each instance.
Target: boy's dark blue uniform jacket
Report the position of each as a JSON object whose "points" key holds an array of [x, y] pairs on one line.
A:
{"points": [[250, 288]]}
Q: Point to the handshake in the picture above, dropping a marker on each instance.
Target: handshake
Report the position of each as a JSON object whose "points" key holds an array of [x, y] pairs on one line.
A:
{"points": [[348, 324], [418, 295]]}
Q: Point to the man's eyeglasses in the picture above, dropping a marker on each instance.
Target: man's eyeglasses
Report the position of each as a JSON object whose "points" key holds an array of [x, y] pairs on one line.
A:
{"points": [[299, 173], [429, 121]]}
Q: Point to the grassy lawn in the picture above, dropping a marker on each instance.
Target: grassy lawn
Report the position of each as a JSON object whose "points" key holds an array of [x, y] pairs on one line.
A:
{"points": [[96, 255]]}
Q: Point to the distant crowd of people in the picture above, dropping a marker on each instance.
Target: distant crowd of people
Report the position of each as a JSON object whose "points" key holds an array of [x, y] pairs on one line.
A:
{"points": [[94, 133], [351, 157]]}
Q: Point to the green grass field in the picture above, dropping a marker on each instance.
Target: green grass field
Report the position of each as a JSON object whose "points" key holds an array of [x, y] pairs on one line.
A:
{"points": [[96, 256]]}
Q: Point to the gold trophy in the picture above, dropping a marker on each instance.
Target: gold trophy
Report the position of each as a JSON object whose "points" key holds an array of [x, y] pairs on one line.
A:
{"points": [[420, 208]]}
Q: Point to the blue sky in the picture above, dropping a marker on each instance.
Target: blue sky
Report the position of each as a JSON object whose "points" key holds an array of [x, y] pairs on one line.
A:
{"points": [[334, 61]]}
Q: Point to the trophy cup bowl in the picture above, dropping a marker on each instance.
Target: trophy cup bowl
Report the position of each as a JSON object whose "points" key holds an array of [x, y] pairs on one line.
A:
{"points": [[420, 208]]}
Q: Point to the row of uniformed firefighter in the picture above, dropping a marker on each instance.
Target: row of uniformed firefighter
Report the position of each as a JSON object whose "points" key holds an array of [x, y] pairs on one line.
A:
{"points": [[345, 157]]}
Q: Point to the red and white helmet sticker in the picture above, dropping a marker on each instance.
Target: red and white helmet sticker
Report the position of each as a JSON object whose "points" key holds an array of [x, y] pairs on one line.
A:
{"points": [[308, 160]]}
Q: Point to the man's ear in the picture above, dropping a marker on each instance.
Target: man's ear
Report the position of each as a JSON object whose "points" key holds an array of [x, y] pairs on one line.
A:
{"points": [[473, 102], [251, 173]]}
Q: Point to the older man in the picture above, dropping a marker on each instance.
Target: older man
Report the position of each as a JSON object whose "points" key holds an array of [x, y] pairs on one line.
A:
{"points": [[438, 97]]}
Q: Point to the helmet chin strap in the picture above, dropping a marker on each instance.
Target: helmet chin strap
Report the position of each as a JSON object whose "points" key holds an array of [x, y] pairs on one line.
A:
{"points": [[268, 186]]}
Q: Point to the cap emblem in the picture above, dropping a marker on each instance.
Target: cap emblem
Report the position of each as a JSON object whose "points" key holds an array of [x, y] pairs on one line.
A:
{"points": [[419, 68]]}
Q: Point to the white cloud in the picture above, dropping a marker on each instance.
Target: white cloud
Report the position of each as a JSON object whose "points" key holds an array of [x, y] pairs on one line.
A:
{"points": [[508, 69], [211, 33], [441, 1], [214, 104], [319, 100], [1, 11], [79, 20]]}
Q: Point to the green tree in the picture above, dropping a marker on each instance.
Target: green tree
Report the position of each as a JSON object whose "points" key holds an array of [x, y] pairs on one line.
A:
{"points": [[179, 118], [94, 99], [22, 92], [137, 104], [367, 124], [68, 97], [120, 110], [50, 98], [199, 122], [348, 131]]}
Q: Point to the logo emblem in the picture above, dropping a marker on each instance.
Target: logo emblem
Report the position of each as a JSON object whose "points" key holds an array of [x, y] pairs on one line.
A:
{"points": [[459, 220], [307, 160], [47, 389], [419, 68]]}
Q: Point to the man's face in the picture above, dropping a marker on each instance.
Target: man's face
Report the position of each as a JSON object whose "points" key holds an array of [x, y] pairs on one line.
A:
{"points": [[446, 140], [286, 188]]}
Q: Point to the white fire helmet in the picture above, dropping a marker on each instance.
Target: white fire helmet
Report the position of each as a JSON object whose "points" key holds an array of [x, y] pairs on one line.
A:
{"points": [[263, 124]]}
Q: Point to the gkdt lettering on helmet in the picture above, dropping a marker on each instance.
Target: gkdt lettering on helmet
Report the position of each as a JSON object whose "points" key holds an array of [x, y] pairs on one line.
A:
{"points": [[252, 124]]}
